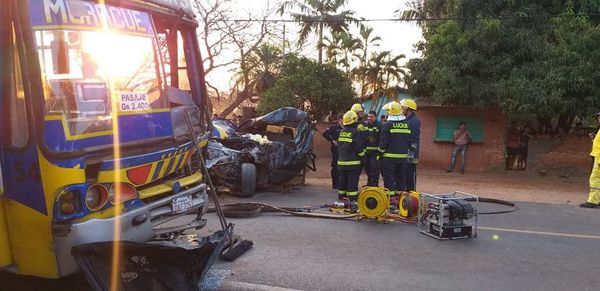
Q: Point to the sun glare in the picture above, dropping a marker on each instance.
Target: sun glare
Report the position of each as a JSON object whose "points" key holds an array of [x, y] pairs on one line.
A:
{"points": [[117, 55]]}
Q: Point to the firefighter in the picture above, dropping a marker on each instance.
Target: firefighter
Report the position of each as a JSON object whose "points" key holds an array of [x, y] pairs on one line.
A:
{"points": [[409, 110], [331, 134], [359, 110], [393, 150], [351, 150], [372, 138], [594, 197]]}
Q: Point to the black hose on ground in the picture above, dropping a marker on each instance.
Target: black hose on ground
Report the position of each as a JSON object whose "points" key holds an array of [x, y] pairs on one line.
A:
{"points": [[253, 209], [499, 202]]}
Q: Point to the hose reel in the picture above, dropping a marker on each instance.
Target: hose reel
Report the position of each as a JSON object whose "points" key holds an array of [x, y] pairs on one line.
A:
{"points": [[409, 204], [373, 203]]}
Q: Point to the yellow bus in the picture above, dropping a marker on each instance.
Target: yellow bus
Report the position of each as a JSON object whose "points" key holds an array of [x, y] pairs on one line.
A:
{"points": [[94, 143]]}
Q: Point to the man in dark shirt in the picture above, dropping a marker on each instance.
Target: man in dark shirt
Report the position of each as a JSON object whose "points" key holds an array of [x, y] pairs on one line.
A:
{"points": [[331, 134], [372, 137]]}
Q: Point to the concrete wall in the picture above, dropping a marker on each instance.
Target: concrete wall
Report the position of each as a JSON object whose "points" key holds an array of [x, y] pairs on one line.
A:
{"points": [[488, 155]]}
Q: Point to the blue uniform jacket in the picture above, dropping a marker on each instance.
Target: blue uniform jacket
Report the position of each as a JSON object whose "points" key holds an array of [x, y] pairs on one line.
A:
{"points": [[414, 123], [351, 148]]}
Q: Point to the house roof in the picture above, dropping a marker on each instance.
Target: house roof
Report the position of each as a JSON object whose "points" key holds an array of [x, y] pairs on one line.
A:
{"points": [[426, 102]]}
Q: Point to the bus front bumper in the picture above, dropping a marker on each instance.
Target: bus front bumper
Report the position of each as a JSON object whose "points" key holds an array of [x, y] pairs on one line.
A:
{"points": [[135, 225]]}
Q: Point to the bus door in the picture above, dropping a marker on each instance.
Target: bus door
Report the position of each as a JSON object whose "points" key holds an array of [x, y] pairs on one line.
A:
{"points": [[24, 205]]}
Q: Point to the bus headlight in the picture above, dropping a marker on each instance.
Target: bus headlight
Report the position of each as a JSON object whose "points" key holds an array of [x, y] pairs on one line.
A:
{"points": [[68, 202], [126, 193], [96, 197]]}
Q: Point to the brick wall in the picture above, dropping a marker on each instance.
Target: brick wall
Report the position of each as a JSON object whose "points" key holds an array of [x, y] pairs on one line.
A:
{"points": [[488, 155], [571, 152], [544, 153]]}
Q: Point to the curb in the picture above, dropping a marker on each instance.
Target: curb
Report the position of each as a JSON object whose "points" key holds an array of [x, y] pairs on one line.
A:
{"points": [[241, 286]]}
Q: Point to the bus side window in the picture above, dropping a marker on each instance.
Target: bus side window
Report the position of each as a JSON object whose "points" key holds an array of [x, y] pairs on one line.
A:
{"points": [[175, 64], [19, 128], [182, 74]]}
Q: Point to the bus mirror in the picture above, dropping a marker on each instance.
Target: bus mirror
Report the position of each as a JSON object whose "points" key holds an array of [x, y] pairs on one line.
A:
{"points": [[60, 53]]}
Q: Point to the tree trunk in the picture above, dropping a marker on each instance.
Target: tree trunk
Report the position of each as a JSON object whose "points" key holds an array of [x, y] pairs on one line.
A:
{"points": [[320, 43], [564, 122], [364, 74], [239, 98]]}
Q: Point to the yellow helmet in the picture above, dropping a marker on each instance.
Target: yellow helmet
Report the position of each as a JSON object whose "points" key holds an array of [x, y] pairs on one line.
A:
{"points": [[357, 107], [394, 108], [350, 117], [386, 107], [409, 103]]}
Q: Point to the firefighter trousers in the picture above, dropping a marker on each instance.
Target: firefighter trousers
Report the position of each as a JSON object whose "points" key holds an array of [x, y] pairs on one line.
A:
{"points": [[595, 183], [335, 176], [372, 169], [348, 183], [394, 175], [411, 177]]}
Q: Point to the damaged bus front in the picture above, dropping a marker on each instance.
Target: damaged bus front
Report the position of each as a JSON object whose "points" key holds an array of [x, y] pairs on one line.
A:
{"points": [[94, 146]]}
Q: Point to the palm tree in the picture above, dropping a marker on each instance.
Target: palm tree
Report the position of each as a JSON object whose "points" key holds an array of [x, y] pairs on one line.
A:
{"points": [[367, 39], [348, 48], [315, 16], [269, 59], [381, 71], [332, 45], [393, 71], [261, 68], [340, 48]]}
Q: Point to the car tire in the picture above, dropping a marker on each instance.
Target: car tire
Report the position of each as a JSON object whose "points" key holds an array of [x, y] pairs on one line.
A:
{"points": [[248, 181]]}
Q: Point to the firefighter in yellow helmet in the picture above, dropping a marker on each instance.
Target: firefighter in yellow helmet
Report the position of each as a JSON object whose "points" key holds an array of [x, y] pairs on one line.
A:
{"points": [[393, 147], [351, 150], [359, 110], [594, 197], [409, 110]]}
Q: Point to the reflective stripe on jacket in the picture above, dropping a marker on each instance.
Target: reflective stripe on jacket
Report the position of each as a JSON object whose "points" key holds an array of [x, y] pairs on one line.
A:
{"points": [[372, 137], [351, 148], [395, 139]]}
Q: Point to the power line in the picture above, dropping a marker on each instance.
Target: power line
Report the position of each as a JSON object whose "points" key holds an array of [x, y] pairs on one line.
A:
{"points": [[421, 19]]}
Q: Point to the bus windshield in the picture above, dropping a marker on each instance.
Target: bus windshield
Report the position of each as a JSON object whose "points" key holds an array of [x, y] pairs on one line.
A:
{"points": [[97, 62], [81, 69]]}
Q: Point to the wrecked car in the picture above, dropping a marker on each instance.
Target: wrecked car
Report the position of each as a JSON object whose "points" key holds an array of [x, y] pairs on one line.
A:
{"points": [[274, 149]]}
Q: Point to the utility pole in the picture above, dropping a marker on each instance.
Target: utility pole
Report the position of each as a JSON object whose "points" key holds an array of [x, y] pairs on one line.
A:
{"points": [[284, 38]]}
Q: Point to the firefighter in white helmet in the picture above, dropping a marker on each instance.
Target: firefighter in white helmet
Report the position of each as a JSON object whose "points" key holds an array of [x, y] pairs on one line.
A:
{"points": [[393, 148]]}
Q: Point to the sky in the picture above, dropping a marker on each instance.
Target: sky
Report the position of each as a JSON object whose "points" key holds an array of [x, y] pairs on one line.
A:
{"points": [[399, 37]]}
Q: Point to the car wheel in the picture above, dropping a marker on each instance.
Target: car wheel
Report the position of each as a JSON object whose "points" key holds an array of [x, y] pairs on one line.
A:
{"points": [[248, 183]]}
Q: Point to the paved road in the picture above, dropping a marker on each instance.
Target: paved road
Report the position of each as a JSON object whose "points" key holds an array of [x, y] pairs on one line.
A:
{"points": [[541, 247], [537, 248]]}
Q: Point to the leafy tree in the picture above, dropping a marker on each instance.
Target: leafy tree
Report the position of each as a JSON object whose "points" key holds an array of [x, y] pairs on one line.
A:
{"points": [[317, 15], [528, 57], [313, 87]]}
